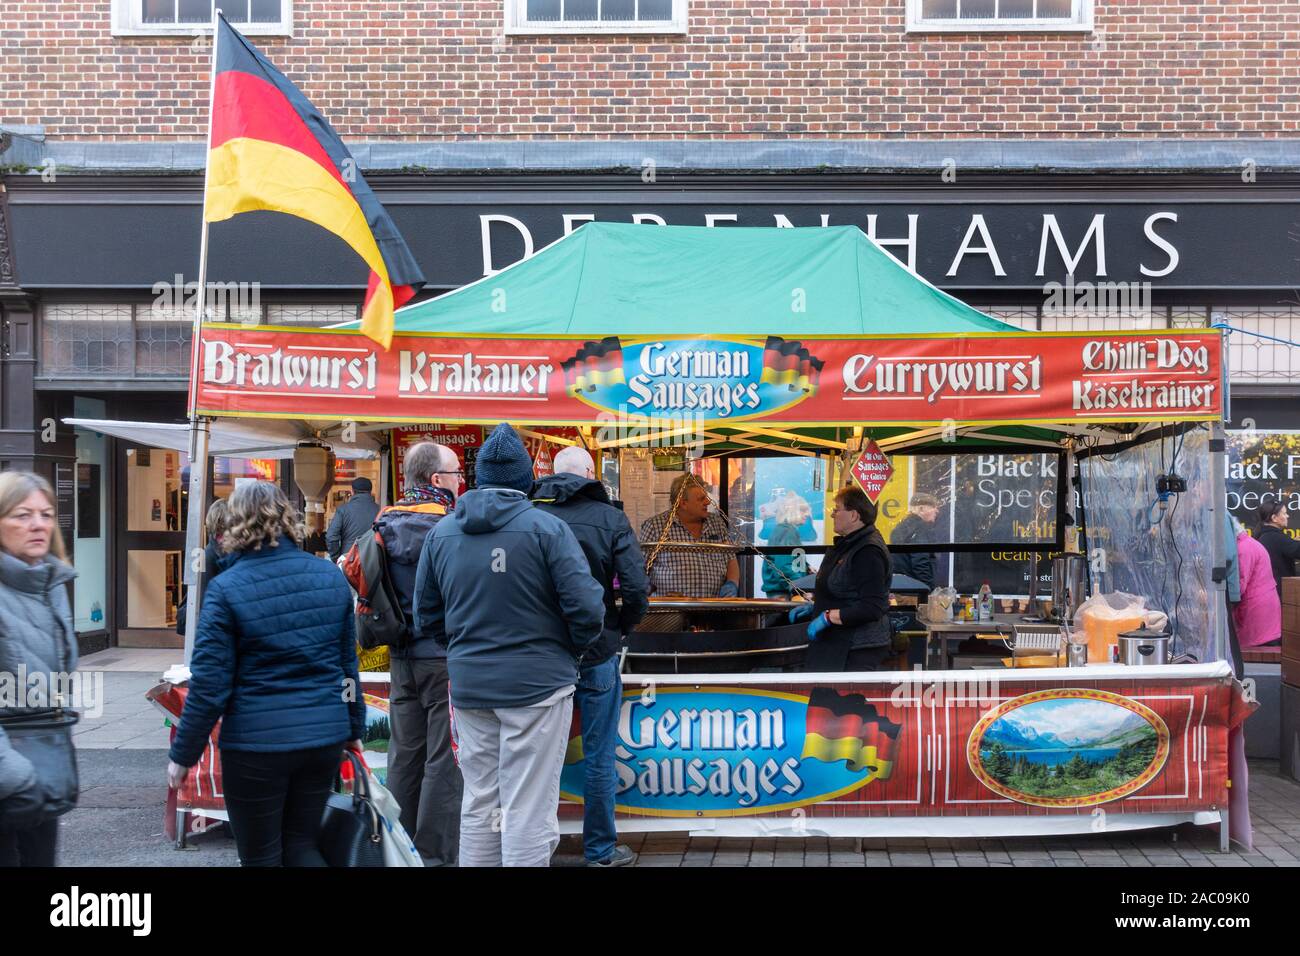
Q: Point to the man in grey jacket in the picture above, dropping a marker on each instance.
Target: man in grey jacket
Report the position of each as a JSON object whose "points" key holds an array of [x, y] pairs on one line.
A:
{"points": [[507, 589], [353, 519]]}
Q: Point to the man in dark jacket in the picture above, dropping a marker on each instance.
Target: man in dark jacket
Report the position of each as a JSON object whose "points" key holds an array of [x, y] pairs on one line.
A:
{"points": [[1283, 550], [506, 587], [352, 520], [917, 528], [575, 496], [422, 771]]}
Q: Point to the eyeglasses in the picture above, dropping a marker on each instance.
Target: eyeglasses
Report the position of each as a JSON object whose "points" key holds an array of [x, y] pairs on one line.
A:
{"points": [[458, 471]]}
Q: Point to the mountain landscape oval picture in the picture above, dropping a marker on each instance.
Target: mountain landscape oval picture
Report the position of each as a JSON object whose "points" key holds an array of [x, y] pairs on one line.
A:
{"points": [[1069, 747]]}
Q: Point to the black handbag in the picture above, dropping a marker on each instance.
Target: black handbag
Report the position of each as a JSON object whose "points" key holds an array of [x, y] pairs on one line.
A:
{"points": [[351, 832], [45, 739]]}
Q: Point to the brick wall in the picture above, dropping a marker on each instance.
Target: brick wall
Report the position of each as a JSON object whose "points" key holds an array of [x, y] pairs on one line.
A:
{"points": [[442, 69]]}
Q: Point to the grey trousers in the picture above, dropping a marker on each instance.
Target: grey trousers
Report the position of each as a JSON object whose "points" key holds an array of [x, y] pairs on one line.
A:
{"points": [[422, 771], [511, 758]]}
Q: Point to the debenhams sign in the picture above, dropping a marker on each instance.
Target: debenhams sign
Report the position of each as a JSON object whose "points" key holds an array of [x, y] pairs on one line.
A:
{"points": [[983, 244]]}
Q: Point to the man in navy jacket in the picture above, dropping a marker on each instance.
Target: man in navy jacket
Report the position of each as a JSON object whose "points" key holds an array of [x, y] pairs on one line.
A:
{"points": [[506, 588], [575, 496]]}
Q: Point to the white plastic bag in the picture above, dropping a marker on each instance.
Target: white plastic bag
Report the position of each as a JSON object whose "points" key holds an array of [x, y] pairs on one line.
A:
{"points": [[399, 850]]}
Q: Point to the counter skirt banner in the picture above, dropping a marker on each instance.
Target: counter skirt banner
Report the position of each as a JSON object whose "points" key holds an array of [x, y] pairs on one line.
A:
{"points": [[631, 381], [982, 747]]}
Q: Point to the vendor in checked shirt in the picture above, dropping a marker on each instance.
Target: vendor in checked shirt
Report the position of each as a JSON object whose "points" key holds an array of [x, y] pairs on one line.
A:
{"points": [[681, 571]]}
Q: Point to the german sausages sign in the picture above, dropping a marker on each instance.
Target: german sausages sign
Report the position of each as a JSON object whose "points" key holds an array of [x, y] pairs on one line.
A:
{"points": [[999, 377]]}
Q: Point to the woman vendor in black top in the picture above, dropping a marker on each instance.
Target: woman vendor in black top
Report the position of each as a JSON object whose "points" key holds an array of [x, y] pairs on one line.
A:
{"points": [[849, 627]]}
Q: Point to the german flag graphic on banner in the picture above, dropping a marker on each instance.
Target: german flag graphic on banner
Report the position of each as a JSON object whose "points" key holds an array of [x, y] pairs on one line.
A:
{"points": [[848, 728], [271, 149], [790, 364], [595, 364]]}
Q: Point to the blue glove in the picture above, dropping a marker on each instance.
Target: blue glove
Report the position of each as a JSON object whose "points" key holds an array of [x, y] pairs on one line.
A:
{"points": [[819, 624], [728, 589], [800, 613]]}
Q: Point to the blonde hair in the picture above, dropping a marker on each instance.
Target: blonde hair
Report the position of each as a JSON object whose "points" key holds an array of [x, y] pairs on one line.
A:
{"points": [[217, 518], [258, 514], [16, 487]]}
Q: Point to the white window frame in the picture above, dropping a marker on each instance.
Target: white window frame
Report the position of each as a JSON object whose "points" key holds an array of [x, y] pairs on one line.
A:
{"points": [[516, 25], [128, 22], [1080, 22]]}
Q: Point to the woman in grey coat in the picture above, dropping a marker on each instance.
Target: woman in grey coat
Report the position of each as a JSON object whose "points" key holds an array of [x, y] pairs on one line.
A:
{"points": [[38, 778]]}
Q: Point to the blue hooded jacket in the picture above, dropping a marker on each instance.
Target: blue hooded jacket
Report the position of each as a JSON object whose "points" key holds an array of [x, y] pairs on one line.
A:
{"points": [[506, 588], [274, 652]]}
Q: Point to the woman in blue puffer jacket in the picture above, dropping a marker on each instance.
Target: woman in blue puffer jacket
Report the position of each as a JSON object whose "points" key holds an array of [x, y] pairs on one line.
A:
{"points": [[275, 660]]}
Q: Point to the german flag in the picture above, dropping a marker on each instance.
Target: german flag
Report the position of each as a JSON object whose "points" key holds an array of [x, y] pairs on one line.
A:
{"points": [[595, 364], [846, 727], [271, 149], [790, 364]]}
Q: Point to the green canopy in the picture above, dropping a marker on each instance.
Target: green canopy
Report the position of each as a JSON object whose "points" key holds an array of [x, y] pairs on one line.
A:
{"points": [[616, 278]]}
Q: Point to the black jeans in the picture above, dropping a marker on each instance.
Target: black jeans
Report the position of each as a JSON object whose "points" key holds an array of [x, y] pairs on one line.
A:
{"points": [[422, 772], [276, 801], [34, 846]]}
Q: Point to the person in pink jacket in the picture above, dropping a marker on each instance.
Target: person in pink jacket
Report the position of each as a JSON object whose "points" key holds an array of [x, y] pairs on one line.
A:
{"points": [[1259, 615]]}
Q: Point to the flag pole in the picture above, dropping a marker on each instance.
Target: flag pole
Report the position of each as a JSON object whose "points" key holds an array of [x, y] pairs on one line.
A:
{"points": [[199, 427]]}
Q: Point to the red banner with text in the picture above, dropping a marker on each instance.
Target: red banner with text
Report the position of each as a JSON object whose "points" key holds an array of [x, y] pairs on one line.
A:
{"points": [[1166, 375]]}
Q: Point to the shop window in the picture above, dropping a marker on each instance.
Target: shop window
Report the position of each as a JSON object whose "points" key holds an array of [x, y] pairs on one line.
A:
{"points": [[156, 489], [229, 472], [318, 315], [87, 340], [1002, 16], [1023, 317], [90, 554], [1255, 360], [1105, 319], [190, 17], [595, 16], [162, 342], [153, 590], [145, 340]]}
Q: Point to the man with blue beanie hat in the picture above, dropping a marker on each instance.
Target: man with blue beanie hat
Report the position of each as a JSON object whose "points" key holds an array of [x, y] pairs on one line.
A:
{"points": [[506, 588]]}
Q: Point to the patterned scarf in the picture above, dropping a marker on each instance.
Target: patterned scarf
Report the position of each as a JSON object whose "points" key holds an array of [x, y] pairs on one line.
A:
{"points": [[419, 494]]}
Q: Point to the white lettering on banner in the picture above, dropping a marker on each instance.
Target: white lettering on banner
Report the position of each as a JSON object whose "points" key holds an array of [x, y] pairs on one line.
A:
{"points": [[419, 373], [669, 379], [905, 378], [1136, 395], [1134, 355], [708, 730], [224, 364]]}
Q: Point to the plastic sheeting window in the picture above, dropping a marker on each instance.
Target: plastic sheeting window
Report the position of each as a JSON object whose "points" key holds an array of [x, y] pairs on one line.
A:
{"points": [[1160, 551]]}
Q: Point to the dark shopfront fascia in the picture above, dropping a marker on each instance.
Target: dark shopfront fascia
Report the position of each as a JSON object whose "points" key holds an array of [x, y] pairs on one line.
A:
{"points": [[83, 338]]}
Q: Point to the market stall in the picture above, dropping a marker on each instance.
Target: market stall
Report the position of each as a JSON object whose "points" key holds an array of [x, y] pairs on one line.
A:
{"points": [[674, 349]]}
